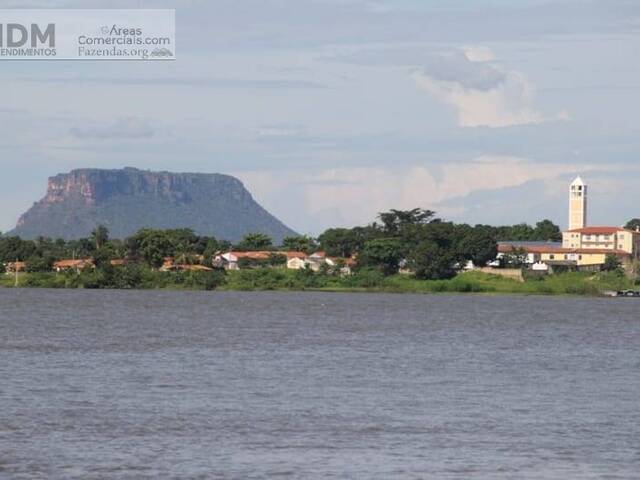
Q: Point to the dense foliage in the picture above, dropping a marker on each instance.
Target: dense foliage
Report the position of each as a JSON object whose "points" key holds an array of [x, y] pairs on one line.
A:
{"points": [[416, 240], [633, 224], [413, 241]]}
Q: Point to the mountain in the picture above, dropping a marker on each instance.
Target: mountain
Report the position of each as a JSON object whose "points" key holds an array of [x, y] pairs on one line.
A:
{"points": [[130, 199]]}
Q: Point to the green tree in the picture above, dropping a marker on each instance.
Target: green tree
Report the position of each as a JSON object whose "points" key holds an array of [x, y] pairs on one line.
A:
{"points": [[612, 264], [100, 236], [345, 242], [431, 261], [210, 251], [255, 241], [383, 253], [300, 243], [14, 248], [546, 230], [152, 246], [633, 224], [277, 260], [39, 264], [395, 220], [102, 258], [477, 245], [521, 232]]}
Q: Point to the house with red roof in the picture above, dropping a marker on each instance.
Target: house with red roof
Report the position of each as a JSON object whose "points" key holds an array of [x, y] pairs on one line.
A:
{"points": [[73, 264]]}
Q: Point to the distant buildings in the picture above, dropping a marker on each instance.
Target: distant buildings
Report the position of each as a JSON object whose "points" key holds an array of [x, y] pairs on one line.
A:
{"points": [[13, 267], [233, 260], [583, 247], [77, 265], [292, 260]]}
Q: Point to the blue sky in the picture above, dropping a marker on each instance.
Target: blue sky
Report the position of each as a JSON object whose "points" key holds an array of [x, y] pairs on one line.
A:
{"points": [[333, 110]]}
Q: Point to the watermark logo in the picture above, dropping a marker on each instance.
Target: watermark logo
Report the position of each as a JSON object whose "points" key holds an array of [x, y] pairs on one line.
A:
{"points": [[17, 39], [87, 34], [17, 35]]}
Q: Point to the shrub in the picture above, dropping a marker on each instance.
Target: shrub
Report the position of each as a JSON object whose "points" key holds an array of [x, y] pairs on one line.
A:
{"points": [[43, 280], [365, 278]]}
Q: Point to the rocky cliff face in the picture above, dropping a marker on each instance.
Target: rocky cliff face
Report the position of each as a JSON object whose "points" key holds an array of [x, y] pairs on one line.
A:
{"points": [[129, 199]]}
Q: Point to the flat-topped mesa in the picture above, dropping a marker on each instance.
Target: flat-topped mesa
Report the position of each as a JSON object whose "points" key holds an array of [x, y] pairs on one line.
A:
{"points": [[64, 186], [129, 199], [95, 186]]}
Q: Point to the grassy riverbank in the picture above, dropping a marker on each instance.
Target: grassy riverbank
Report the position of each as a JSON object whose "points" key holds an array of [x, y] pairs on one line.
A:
{"points": [[288, 280]]}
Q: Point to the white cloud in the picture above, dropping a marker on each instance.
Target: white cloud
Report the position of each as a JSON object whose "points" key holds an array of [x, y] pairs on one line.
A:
{"points": [[478, 53], [312, 201], [482, 92]]}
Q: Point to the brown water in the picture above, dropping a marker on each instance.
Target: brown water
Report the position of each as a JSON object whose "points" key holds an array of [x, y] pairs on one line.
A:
{"points": [[130, 385]]}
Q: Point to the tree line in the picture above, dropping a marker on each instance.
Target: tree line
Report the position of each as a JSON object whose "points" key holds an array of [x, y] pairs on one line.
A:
{"points": [[415, 240]]}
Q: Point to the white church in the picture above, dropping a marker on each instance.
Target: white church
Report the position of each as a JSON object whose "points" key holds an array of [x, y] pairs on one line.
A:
{"points": [[583, 246]]}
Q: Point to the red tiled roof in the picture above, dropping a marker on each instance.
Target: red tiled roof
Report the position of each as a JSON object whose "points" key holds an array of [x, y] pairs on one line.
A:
{"points": [[72, 263], [600, 230], [290, 255], [255, 255]]}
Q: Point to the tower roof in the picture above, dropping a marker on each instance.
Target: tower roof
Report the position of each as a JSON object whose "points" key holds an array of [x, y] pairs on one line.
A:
{"points": [[578, 181]]}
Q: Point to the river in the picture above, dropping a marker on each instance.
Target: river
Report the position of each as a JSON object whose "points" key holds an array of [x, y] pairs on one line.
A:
{"points": [[135, 384]]}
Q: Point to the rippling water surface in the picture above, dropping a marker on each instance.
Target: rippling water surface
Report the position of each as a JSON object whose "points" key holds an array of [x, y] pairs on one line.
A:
{"points": [[131, 385]]}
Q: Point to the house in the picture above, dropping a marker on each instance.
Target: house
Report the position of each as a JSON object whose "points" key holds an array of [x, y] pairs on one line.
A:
{"points": [[77, 265], [230, 260], [296, 260], [292, 260], [316, 260], [13, 267], [346, 265], [403, 267], [530, 252]]}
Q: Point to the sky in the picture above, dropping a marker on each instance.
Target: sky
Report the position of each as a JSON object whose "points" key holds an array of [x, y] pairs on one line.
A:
{"points": [[331, 111]]}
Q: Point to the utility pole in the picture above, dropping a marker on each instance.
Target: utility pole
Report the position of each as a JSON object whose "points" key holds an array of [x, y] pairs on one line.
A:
{"points": [[15, 268]]}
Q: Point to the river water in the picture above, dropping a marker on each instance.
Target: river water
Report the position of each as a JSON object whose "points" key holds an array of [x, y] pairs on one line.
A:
{"points": [[135, 385]]}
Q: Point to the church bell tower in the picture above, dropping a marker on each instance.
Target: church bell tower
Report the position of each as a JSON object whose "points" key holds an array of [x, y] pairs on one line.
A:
{"points": [[577, 204]]}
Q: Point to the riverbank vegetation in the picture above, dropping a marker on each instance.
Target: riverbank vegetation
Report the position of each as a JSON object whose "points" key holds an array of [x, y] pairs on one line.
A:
{"points": [[366, 280], [404, 251]]}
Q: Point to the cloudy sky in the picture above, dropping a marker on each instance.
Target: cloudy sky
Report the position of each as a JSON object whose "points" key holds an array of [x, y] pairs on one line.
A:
{"points": [[333, 110]]}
